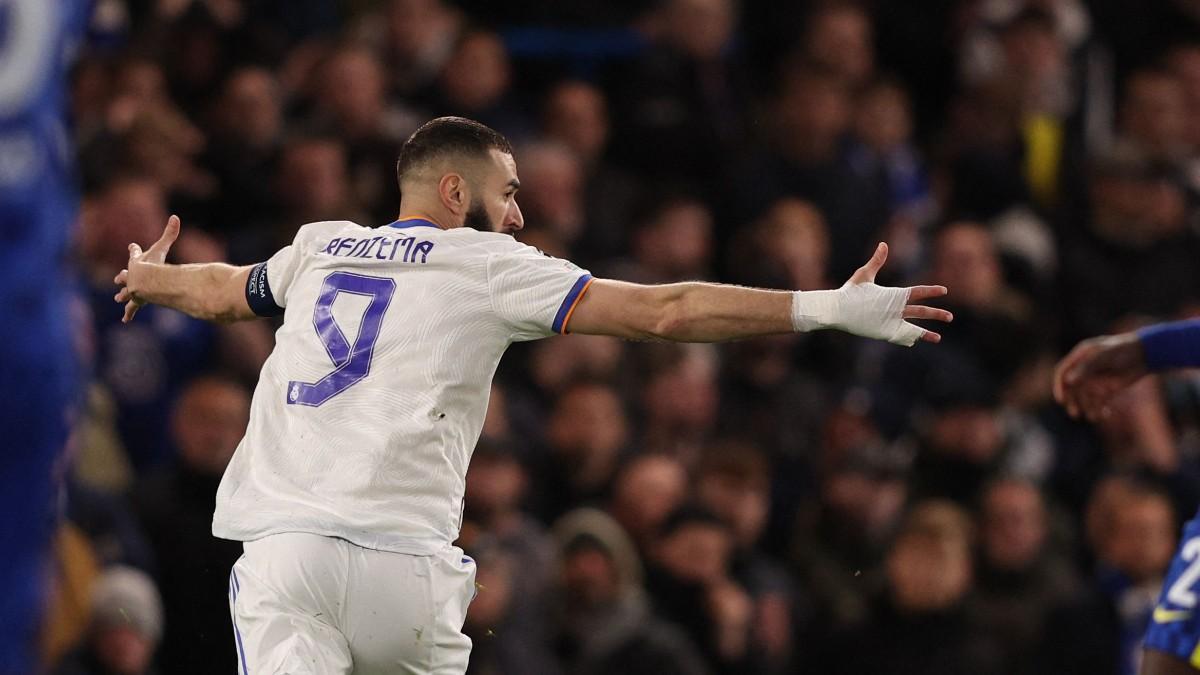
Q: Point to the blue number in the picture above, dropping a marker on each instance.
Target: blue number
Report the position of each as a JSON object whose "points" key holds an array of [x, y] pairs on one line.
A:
{"points": [[351, 364]]}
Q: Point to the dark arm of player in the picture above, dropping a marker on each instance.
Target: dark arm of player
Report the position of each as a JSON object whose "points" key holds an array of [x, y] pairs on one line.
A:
{"points": [[704, 312], [1100, 367], [209, 291]]}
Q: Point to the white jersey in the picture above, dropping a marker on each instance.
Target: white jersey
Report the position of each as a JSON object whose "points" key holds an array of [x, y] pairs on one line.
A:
{"points": [[368, 409]]}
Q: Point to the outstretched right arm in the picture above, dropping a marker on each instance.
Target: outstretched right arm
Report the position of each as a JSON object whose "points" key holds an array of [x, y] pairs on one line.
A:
{"points": [[1100, 367], [209, 291], [704, 312]]}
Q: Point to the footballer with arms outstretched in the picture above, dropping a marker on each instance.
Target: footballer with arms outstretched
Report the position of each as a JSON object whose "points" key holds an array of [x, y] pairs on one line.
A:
{"points": [[1084, 382], [347, 488]]}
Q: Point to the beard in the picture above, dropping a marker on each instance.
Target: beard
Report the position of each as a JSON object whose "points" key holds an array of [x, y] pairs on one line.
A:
{"points": [[477, 219]]}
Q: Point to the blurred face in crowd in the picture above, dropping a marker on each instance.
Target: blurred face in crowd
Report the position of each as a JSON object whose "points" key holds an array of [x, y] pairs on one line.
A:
{"points": [[677, 244], [352, 91], [1014, 525], [312, 176], [590, 577], [1033, 51], [495, 485], [870, 504], [123, 650], [965, 259], [794, 234], [929, 566], [968, 432], [577, 116], [1137, 210], [699, 28], [129, 210], [209, 421], [684, 396], [647, 490], [883, 120], [840, 38], [813, 111], [142, 81], [552, 197], [588, 420], [928, 573], [250, 107], [741, 502], [478, 73], [420, 27], [1155, 113], [1141, 540], [696, 552], [557, 363]]}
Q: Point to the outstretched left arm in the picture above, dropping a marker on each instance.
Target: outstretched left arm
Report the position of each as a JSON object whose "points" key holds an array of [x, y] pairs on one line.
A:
{"points": [[209, 291]]}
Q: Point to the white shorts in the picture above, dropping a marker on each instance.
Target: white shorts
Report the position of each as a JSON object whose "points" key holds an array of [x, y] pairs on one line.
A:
{"points": [[304, 603]]}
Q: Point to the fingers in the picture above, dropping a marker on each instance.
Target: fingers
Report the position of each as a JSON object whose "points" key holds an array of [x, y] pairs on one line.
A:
{"points": [[917, 293], [121, 277], [169, 235], [866, 273], [135, 251], [930, 336], [131, 308], [123, 295], [931, 313]]}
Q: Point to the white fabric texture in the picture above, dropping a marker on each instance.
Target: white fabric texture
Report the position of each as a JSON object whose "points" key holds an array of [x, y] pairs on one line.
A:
{"points": [[304, 604], [369, 439], [865, 309]]}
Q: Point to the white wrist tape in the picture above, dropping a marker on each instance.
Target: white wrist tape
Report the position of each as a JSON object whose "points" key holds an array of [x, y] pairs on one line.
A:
{"points": [[868, 310]]}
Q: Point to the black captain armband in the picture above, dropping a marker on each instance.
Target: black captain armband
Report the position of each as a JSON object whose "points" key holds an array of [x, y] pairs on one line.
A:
{"points": [[258, 293]]}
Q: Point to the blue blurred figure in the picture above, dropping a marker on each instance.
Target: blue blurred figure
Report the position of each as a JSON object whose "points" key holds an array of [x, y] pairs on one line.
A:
{"points": [[37, 365]]}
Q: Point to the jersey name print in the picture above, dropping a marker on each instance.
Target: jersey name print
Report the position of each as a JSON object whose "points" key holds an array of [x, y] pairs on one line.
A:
{"points": [[364, 418]]}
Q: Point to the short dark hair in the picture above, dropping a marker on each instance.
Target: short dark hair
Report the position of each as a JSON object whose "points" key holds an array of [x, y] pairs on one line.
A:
{"points": [[448, 135]]}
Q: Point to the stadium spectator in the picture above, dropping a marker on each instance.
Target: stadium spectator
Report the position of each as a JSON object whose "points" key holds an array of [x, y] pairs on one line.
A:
{"points": [[733, 482], [349, 100], [840, 36], [1020, 579], [841, 538], [647, 490], [679, 104], [175, 506], [606, 624], [476, 82], [586, 433], [126, 624], [512, 622], [246, 131], [922, 624], [553, 203], [673, 242], [688, 578], [576, 115], [680, 399]]}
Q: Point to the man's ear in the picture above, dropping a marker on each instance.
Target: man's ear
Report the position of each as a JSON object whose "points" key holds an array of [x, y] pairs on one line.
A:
{"points": [[454, 193]]}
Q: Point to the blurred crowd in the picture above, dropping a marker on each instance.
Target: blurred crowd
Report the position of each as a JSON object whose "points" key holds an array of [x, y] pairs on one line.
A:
{"points": [[806, 503]]}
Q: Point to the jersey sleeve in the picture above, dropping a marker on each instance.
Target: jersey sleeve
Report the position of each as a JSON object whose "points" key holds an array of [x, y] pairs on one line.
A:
{"points": [[269, 282], [1171, 345], [534, 294]]}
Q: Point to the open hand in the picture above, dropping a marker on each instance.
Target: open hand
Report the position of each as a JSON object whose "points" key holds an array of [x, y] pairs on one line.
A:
{"points": [[128, 278], [1087, 378], [879, 312]]}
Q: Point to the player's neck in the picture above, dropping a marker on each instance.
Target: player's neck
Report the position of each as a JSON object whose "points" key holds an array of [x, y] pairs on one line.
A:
{"points": [[423, 214]]}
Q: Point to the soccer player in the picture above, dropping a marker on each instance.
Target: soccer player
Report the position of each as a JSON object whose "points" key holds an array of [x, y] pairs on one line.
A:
{"points": [[37, 208], [1084, 381], [347, 488]]}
